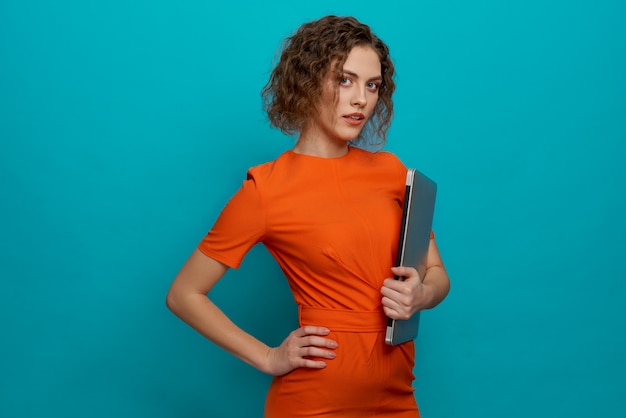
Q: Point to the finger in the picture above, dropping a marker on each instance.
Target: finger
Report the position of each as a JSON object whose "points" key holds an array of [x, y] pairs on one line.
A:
{"points": [[312, 364], [314, 341], [391, 287], [404, 297], [390, 303], [406, 272], [391, 313], [399, 291], [402, 306], [395, 312], [308, 352], [401, 286], [312, 330]]}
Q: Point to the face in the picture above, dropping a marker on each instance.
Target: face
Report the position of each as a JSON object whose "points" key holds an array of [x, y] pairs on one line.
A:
{"points": [[341, 117]]}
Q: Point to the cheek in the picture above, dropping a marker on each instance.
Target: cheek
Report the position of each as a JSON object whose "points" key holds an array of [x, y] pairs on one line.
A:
{"points": [[343, 98], [371, 104], [327, 117]]}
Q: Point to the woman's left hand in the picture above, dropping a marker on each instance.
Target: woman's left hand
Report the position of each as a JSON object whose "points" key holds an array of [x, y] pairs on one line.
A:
{"points": [[402, 298]]}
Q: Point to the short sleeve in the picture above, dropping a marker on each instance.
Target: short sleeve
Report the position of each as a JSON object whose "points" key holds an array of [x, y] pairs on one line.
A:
{"points": [[240, 225]]}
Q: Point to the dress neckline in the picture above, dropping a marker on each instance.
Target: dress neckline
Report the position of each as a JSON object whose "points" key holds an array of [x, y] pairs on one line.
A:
{"points": [[316, 157]]}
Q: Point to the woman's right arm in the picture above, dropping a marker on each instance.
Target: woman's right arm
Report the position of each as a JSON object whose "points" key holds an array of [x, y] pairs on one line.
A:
{"points": [[187, 299]]}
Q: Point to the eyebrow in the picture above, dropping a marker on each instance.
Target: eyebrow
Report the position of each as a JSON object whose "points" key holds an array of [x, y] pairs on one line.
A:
{"points": [[355, 75]]}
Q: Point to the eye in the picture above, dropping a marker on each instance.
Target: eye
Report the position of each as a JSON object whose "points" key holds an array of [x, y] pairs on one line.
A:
{"points": [[373, 86], [345, 81]]}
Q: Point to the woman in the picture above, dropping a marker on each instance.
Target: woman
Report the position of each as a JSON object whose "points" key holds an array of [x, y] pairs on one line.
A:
{"points": [[329, 213]]}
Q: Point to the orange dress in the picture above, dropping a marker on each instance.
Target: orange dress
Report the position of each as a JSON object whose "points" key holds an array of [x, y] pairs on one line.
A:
{"points": [[332, 225]]}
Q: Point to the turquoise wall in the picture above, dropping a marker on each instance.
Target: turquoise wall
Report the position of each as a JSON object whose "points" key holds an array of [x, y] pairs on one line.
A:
{"points": [[126, 125]]}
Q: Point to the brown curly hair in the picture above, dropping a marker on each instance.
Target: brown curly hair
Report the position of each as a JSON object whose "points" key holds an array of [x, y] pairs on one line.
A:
{"points": [[295, 85]]}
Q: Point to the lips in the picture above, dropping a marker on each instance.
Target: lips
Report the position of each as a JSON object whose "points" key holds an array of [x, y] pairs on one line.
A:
{"points": [[354, 118]]}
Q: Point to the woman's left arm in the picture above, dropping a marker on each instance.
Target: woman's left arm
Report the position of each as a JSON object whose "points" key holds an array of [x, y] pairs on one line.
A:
{"points": [[402, 298]]}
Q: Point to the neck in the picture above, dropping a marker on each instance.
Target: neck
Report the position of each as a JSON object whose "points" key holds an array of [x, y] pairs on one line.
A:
{"points": [[316, 146]]}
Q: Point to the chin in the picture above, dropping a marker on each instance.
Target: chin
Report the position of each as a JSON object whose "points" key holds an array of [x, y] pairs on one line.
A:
{"points": [[350, 137]]}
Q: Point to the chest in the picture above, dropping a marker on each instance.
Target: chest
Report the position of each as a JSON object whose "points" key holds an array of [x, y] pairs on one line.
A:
{"points": [[338, 217]]}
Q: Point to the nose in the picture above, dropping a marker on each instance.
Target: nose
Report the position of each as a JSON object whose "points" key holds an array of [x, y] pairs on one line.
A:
{"points": [[359, 99]]}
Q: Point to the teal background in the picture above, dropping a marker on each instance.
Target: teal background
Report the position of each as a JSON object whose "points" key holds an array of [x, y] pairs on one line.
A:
{"points": [[126, 125]]}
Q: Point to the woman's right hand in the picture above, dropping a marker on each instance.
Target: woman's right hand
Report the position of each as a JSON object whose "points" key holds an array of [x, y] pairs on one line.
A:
{"points": [[298, 348]]}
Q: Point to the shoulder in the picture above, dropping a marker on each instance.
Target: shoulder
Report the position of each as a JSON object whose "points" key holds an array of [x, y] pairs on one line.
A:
{"points": [[266, 175], [265, 171], [381, 160], [390, 159], [381, 157]]}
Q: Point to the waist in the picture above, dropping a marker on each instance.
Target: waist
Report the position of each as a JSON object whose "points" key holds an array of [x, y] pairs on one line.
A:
{"points": [[345, 320]]}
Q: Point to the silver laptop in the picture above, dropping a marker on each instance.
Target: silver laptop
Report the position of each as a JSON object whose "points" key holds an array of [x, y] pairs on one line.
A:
{"points": [[417, 220]]}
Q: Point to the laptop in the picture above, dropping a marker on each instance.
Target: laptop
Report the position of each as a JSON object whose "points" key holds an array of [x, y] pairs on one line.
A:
{"points": [[417, 220]]}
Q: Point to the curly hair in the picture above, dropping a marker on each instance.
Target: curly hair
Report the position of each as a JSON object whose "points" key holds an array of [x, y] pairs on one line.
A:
{"points": [[295, 85]]}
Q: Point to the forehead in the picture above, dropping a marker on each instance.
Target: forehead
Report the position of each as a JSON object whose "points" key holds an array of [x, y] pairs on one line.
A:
{"points": [[363, 61]]}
